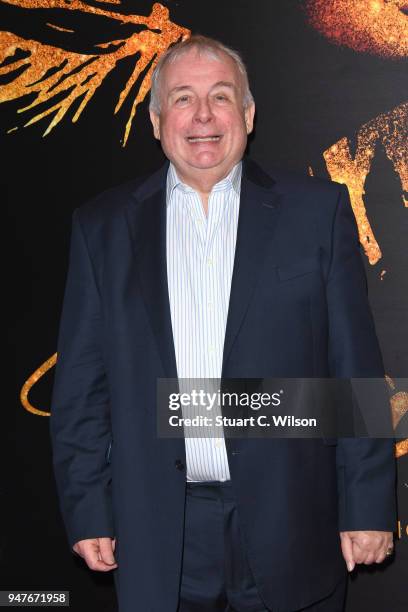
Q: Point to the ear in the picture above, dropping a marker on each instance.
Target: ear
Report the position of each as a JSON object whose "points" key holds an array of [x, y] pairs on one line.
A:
{"points": [[155, 119], [249, 114]]}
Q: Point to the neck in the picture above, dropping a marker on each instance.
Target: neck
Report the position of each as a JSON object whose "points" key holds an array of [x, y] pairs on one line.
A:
{"points": [[203, 186], [203, 181]]}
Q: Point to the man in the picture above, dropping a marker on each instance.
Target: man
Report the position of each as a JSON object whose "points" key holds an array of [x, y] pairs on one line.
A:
{"points": [[165, 282]]}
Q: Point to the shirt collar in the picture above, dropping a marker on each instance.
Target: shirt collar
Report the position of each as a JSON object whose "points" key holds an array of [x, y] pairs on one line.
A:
{"points": [[232, 181]]}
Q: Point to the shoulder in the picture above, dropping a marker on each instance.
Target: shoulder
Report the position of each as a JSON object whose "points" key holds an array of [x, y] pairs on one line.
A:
{"points": [[287, 181], [303, 184], [110, 205], [305, 197], [310, 205]]}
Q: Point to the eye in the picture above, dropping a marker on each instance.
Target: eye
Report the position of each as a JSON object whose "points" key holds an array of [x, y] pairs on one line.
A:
{"points": [[182, 99]]}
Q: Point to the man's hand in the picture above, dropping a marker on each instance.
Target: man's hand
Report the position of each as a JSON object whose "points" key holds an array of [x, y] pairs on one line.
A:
{"points": [[98, 553], [365, 547]]}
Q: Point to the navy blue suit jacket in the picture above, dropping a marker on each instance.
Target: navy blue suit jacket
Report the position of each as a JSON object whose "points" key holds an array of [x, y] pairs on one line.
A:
{"points": [[298, 307]]}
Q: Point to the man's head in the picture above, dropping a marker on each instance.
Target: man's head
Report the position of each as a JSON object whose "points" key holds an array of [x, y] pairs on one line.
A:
{"points": [[201, 108]]}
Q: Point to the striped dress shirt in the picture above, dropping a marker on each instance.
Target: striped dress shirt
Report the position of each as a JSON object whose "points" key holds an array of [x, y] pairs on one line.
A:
{"points": [[200, 253]]}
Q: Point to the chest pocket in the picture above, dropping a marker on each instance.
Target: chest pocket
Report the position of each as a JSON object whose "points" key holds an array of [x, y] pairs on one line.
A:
{"points": [[298, 268]]}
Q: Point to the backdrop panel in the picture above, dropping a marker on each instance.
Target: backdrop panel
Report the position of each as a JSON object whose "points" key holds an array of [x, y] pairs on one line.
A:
{"points": [[329, 80]]}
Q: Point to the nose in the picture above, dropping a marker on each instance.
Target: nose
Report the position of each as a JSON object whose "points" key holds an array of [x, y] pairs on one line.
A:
{"points": [[203, 112]]}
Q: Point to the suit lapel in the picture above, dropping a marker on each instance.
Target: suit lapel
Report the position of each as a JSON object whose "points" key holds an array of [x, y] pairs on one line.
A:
{"points": [[260, 205], [258, 215], [147, 221]]}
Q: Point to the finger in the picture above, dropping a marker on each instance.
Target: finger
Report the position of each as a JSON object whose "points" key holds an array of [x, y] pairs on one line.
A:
{"points": [[369, 559], [91, 553], [371, 549], [76, 550], [380, 557], [106, 551], [385, 554], [85, 547], [389, 545], [358, 553], [347, 550], [99, 566]]}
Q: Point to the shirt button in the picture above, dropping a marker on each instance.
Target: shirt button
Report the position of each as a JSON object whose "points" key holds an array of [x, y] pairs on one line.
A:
{"points": [[210, 262], [210, 305]]}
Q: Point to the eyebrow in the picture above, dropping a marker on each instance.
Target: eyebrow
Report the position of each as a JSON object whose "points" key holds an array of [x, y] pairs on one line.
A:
{"points": [[224, 84], [218, 84]]}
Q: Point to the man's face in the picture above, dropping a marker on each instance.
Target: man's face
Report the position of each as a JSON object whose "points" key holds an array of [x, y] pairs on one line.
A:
{"points": [[202, 125]]}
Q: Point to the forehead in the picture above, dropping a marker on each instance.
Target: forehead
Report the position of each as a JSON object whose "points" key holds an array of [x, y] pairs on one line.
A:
{"points": [[196, 68]]}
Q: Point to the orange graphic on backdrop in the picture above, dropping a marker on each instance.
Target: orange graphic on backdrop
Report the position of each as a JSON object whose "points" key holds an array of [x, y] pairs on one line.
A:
{"points": [[370, 26], [389, 130], [58, 78]]}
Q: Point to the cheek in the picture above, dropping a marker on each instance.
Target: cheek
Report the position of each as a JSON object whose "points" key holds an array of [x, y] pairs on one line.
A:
{"points": [[172, 128], [234, 123]]}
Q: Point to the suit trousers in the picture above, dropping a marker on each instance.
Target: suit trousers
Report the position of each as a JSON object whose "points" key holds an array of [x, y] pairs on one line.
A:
{"points": [[216, 576]]}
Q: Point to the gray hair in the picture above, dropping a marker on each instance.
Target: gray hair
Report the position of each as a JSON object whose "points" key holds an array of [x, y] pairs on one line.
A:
{"points": [[206, 46]]}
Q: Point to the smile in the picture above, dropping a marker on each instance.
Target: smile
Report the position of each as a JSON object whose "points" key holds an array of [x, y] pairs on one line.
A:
{"points": [[204, 138]]}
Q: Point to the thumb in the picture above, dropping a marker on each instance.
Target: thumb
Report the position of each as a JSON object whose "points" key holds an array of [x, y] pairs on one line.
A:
{"points": [[106, 550], [347, 550]]}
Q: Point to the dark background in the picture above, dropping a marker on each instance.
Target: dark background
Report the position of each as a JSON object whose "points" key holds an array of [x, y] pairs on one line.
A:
{"points": [[309, 93]]}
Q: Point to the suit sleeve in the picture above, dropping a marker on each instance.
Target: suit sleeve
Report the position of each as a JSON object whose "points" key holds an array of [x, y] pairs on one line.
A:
{"points": [[80, 417], [366, 466]]}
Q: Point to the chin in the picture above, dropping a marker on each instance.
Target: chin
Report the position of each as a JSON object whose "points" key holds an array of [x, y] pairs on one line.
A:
{"points": [[207, 163]]}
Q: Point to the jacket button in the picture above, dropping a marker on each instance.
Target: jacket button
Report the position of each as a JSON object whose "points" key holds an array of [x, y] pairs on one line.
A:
{"points": [[179, 464]]}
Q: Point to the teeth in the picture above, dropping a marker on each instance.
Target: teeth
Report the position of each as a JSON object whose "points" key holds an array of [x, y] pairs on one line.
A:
{"points": [[206, 139]]}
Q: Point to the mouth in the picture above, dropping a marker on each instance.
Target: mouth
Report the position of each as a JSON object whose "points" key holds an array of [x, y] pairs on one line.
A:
{"points": [[199, 139]]}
